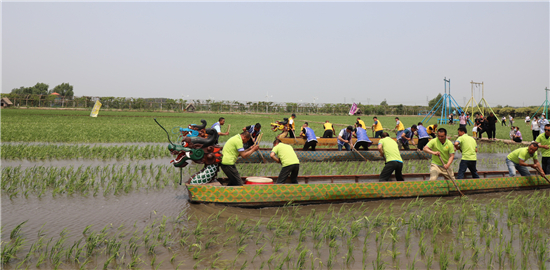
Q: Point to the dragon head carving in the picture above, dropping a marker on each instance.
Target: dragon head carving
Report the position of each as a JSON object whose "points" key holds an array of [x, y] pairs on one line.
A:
{"points": [[199, 149]]}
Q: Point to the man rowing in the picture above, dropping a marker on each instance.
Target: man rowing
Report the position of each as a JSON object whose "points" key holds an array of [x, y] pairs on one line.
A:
{"points": [[359, 121], [233, 148], [468, 146], [544, 142], [517, 160], [344, 138], [399, 128], [423, 136], [377, 127], [441, 149], [406, 137], [362, 138], [432, 130], [394, 163], [309, 135], [284, 154], [254, 131], [329, 130]]}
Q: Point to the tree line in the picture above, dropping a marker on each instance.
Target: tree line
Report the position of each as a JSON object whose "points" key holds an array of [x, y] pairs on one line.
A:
{"points": [[63, 89]]}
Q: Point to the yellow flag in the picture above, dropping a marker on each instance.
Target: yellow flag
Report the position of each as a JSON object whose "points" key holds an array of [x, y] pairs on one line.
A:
{"points": [[95, 110]]}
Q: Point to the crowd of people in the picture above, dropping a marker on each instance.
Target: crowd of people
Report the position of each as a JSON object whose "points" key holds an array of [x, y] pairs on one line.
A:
{"points": [[440, 147]]}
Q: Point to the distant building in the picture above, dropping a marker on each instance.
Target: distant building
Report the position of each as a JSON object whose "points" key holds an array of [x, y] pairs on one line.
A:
{"points": [[6, 102]]}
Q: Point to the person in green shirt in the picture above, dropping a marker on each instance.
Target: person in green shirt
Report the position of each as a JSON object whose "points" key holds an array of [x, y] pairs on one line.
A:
{"points": [[468, 146], [544, 142], [441, 148], [517, 160], [232, 150], [389, 149], [284, 154]]}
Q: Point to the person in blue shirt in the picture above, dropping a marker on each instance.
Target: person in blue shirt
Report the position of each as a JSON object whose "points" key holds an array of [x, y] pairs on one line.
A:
{"points": [[309, 135], [362, 138]]}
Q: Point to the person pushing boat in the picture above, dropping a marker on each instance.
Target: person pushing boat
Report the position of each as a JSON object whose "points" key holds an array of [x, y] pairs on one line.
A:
{"points": [[394, 163], [399, 128], [517, 160], [233, 148], [468, 146], [309, 135], [432, 130], [423, 136], [443, 150], [284, 154]]}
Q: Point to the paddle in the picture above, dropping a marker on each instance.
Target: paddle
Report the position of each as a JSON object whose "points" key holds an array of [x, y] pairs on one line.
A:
{"points": [[451, 176], [228, 127], [538, 170], [257, 142], [353, 149]]}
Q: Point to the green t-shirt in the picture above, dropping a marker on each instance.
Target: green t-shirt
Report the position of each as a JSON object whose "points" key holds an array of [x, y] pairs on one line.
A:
{"points": [[521, 153], [231, 150], [286, 154], [391, 149], [542, 140], [445, 149], [468, 147]]}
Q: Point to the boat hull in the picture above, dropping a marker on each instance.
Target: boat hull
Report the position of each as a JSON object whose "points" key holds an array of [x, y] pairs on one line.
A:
{"points": [[333, 191], [324, 155]]}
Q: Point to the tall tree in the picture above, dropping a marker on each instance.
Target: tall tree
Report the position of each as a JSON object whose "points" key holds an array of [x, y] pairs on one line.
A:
{"points": [[64, 89], [37, 89]]}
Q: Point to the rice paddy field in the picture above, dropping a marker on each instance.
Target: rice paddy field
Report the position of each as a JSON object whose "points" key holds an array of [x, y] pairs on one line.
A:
{"points": [[99, 193]]}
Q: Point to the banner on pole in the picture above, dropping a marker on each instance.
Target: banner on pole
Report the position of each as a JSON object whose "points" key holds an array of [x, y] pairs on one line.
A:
{"points": [[353, 109], [95, 110]]}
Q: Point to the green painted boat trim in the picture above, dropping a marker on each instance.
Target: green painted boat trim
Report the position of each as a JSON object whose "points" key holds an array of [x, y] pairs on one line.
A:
{"points": [[271, 195]]}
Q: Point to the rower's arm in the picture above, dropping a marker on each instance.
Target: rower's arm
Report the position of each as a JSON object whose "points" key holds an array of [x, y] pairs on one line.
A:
{"points": [[246, 153], [274, 157], [381, 150]]}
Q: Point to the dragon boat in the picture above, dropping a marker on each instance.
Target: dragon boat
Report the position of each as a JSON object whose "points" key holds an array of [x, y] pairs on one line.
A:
{"points": [[352, 188], [321, 155], [325, 141]]}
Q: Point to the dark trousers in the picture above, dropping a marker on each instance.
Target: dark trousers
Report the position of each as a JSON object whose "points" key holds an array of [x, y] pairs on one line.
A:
{"points": [[327, 134], [545, 163], [422, 143], [377, 134], [491, 131], [480, 133], [535, 134], [291, 170], [291, 134], [309, 144], [467, 164], [232, 174], [517, 139], [389, 169], [363, 144]]}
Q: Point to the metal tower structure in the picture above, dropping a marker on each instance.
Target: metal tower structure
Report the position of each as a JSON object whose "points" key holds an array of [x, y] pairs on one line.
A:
{"points": [[544, 105], [447, 104], [482, 106]]}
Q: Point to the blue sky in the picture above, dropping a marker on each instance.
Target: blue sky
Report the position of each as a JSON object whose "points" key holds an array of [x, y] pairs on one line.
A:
{"points": [[325, 52]]}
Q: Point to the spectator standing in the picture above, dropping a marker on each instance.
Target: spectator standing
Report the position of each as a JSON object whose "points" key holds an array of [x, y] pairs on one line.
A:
{"points": [[542, 121], [503, 121], [527, 120], [491, 126], [463, 119], [535, 129], [511, 120]]}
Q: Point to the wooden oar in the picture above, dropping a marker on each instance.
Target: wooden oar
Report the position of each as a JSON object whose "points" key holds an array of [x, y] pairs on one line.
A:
{"points": [[228, 127], [353, 149], [257, 142], [451, 176], [538, 170]]}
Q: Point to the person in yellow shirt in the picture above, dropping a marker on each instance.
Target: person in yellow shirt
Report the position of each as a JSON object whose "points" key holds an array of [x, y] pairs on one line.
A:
{"points": [[359, 121], [399, 128], [377, 127], [284, 154], [329, 130], [432, 130], [291, 124]]}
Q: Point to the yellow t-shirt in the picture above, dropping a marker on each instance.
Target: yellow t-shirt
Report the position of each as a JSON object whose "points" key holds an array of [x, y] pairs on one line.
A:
{"points": [[328, 126], [400, 126], [362, 123], [378, 126]]}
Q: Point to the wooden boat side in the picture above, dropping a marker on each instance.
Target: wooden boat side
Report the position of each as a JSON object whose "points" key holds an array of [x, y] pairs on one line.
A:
{"points": [[326, 141], [321, 156], [328, 189]]}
